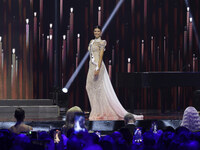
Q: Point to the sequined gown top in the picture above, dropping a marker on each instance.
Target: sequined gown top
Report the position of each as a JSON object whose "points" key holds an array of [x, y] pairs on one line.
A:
{"points": [[103, 100]]}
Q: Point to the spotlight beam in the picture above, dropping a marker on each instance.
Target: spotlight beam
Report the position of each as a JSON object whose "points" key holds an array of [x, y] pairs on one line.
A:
{"points": [[67, 86], [65, 89], [112, 15]]}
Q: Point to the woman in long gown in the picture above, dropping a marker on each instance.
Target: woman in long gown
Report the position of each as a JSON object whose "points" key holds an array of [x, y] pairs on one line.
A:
{"points": [[103, 100]]}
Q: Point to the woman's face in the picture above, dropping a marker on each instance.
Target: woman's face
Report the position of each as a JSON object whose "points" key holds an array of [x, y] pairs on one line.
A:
{"points": [[97, 33]]}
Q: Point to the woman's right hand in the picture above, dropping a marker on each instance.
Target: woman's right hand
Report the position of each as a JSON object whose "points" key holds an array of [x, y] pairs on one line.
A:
{"points": [[96, 73]]}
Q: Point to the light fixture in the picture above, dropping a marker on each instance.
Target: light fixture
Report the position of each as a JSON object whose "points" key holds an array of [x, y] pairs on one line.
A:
{"points": [[13, 50], [50, 25], [65, 90], [27, 21]]}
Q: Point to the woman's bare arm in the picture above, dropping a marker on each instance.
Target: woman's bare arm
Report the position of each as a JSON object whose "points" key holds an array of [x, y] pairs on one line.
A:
{"points": [[100, 61]]}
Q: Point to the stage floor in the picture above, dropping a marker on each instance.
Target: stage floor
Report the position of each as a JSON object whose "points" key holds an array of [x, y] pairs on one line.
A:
{"points": [[148, 115]]}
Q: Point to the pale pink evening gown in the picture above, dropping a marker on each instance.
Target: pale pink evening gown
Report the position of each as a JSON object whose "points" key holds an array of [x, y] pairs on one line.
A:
{"points": [[103, 100]]}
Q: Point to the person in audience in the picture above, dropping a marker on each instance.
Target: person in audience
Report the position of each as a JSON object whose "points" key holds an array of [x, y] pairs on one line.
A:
{"points": [[181, 129], [107, 143], [117, 136], [79, 141], [165, 140], [20, 126], [21, 142], [129, 128], [195, 136], [69, 124], [6, 139], [168, 129], [129, 121], [94, 138], [93, 147], [127, 136], [121, 142], [149, 142], [191, 119], [190, 145]]}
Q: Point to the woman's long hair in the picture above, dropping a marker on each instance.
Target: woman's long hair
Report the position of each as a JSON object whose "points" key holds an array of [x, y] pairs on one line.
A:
{"points": [[191, 119]]}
